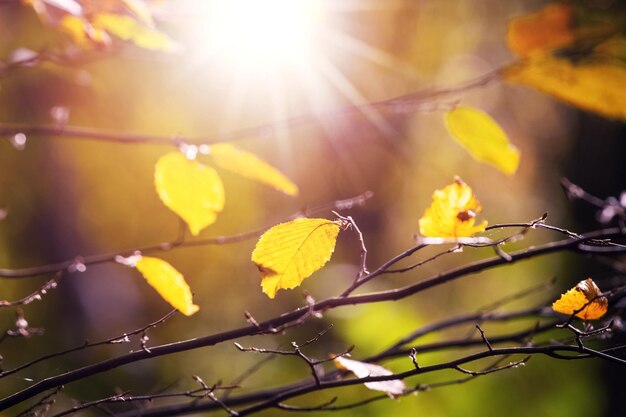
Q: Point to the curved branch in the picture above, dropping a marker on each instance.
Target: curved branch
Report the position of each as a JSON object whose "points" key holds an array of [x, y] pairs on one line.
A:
{"points": [[271, 398], [295, 315], [419, 100], [68, 265]]}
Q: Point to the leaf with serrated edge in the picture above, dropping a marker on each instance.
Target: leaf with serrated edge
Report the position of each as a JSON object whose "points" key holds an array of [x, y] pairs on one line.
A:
{"points": [[584, 299], [168, 282], [248, 165], [193, 191], [483, 138], [290, 252], [394, 387], [452, 213]]}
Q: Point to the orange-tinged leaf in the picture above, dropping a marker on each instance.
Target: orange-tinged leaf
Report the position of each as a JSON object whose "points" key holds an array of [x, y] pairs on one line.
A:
{"points": [[394, 387], [483, 138], [83, 33], [452, 213], [594, 86], [193, 191], [168, 282], [244, 163], [547, 29], [127, 28], [584, 300], [290, 252]]}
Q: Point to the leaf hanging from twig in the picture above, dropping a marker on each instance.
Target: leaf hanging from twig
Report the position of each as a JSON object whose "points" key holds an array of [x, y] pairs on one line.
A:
{"points": [[584, 299], [452, 213], [248, 165], [595, 86], [394, 387], [290, 252], [168, 282], [193, 191], [483, 138]]}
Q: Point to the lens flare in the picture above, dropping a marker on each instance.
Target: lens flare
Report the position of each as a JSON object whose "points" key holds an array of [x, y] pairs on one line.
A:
{"points": [[248, 35]]}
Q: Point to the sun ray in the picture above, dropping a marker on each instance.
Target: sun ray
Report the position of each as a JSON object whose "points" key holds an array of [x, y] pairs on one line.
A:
{"points": [[354, 96], [369, 52], [234, 100], [279, 115]]}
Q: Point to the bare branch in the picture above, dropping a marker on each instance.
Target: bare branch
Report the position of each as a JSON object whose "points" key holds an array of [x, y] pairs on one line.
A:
{"points": [[350, 223], [69, 265], [117, 339], [296, 315], [36, 295]]}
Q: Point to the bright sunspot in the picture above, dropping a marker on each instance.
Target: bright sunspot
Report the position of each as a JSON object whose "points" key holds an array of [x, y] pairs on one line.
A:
{"points": [[250, 35], [278, 59]]}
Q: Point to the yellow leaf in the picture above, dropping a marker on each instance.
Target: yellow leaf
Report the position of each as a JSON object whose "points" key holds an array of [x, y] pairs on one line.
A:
{"points": [[584, 299], [594, 86], [83, 33], [290, 252], [452, 213], [190, 189], [394, 387], [127, 28], [168, 282], [547, 29], [483, 138], [248, 165]]}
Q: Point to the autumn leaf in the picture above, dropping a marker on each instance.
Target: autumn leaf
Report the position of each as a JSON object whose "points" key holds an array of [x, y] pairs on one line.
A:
{"points": [[229, 157], [129, 29], [547, 29], [137, 9], [452, 213], [193, 191], [83, 33], [584, 299], [483, 138], [90, 22], [595, 86], [168, 282], [394, 387], [290, 252]]}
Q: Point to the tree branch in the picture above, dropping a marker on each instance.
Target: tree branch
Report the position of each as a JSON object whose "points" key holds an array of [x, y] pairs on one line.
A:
{"points": [[295, 315]]}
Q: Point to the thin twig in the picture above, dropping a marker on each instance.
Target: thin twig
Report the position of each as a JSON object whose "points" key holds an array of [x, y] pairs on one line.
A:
{"points": [[113, 340], [167, 246], [395, 294]]}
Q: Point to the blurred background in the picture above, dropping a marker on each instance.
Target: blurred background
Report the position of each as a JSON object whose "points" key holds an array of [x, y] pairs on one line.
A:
{"points": [[229, 70]]}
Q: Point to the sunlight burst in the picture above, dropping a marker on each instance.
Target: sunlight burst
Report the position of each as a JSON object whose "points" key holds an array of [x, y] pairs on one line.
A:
{"points": [[249, 35]]}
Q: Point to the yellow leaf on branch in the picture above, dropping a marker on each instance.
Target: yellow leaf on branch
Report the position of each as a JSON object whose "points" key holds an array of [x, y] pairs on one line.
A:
{"points": [[129, 29], [595, 86], [452, 213], [168, 282], [244, 163], [83, 33], [193, 191], [547, 29], [483, 138], [584, 299], [290, 252], [394, 387]]}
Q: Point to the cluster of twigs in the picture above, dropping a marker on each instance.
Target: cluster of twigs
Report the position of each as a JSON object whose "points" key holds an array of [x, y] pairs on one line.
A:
{"points": [[571, 344], [508, 350]]}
